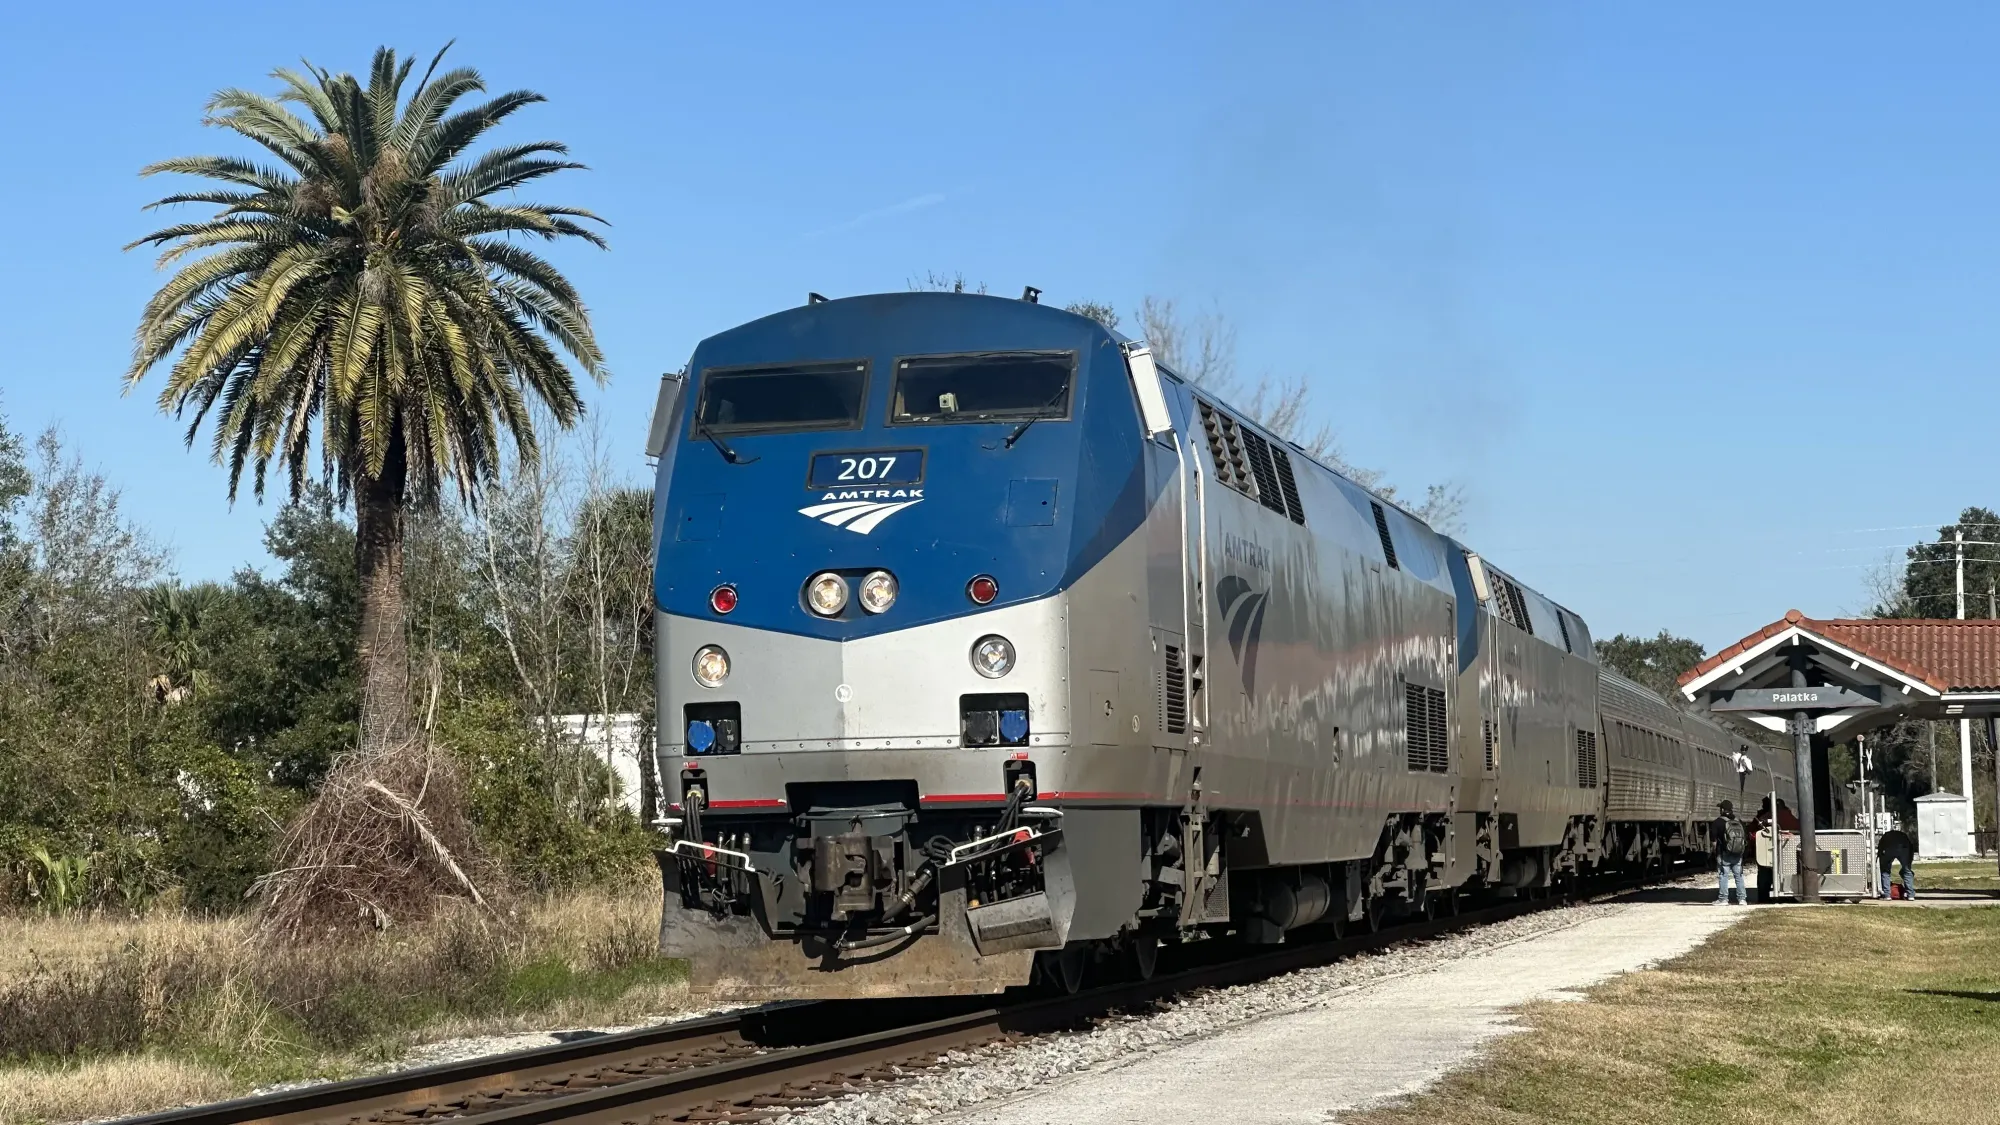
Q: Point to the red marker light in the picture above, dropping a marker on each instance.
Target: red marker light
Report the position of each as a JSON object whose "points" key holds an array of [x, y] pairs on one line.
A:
{"points": [[982, 590], [722, 599]]}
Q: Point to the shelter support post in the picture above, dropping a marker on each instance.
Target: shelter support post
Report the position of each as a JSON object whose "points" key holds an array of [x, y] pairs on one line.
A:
{"points": [[1993, 741], [1802, 755]]}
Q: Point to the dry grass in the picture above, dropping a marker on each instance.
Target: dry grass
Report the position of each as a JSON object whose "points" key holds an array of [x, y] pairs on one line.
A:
{"points": [[100, 1017], [385, 842], [1833, 1015], [107, 1088], [29, 941]]}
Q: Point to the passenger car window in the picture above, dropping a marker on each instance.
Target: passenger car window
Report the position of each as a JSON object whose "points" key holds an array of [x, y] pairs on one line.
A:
{"points": [[778, 398], [982, 387]]}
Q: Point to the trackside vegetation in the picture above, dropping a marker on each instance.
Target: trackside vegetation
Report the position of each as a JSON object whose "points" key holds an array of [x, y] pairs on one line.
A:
{"points": [[115, 1015], [1837, 1015]]}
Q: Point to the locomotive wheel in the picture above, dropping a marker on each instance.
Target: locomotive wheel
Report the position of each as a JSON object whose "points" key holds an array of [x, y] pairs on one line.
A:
{"points": [[1146, 955], [1070, 966], [1447, 906]]}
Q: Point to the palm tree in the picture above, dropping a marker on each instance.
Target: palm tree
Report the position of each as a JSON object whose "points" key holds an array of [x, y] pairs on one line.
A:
{"points": [[365, 293], [177, 615]]}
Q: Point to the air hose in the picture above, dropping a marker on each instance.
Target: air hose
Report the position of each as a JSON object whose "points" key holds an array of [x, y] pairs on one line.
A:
{"points": [[937, 853], [691, 804], [848, 946]]}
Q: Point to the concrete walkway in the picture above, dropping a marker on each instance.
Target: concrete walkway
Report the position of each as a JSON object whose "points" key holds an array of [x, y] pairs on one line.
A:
{"points": [[1383, 1039]]}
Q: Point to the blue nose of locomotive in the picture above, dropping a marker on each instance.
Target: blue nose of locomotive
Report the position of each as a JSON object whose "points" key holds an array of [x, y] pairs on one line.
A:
{"points": [[877, 463]]}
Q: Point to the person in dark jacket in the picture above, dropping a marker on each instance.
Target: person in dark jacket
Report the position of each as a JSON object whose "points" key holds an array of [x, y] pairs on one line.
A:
{"points": [[1895, 846], [1729, 838]]}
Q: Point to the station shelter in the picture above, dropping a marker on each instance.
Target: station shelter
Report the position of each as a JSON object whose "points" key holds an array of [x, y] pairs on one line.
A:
{"points": [[1823, 681]]}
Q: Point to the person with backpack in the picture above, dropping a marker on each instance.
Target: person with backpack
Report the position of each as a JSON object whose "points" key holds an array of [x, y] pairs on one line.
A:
{"points": [[1729, 839]]}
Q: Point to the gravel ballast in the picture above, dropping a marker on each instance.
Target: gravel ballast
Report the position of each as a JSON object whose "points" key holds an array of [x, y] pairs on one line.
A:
{"points": [[998, 1084]]}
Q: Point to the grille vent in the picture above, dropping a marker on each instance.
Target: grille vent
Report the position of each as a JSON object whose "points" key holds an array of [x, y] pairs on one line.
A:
{"points": [[1225, 448], [1267, 474], [1250, 464], [1290, 485], [1586, 759], [1429, 733], [1490, 763], [1514, 607], [1173, 693], [1382, 529]]}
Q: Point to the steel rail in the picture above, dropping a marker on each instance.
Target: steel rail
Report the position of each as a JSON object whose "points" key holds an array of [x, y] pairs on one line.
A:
{"points": [[773, 1083], [403, 1092], [723, 1068]]}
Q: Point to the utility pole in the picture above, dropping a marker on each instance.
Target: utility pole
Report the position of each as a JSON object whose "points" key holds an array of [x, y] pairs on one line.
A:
{"points": [[1965, 724]]}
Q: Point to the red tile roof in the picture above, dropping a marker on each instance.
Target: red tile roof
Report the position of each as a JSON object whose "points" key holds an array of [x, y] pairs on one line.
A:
{"points": [[1945, 654]]}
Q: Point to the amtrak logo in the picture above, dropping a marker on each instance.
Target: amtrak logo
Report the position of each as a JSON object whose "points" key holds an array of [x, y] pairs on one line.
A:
{"points": [[1245, 610], [862, 510]]}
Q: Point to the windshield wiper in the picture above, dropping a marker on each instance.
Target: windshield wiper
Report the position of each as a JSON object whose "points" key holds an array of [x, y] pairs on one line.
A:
{"points": [[722, 447], [1023, 427]]}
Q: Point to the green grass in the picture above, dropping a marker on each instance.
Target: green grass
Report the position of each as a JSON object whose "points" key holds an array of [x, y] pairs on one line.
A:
{"points": [[1838, 1015], [1958, 875]]}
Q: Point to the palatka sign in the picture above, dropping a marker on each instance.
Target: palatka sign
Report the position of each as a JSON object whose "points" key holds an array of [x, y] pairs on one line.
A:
{"points": [[1826, 698]]}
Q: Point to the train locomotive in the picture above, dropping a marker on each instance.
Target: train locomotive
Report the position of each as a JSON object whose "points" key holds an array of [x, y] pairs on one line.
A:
{"points": [[989, 648]]}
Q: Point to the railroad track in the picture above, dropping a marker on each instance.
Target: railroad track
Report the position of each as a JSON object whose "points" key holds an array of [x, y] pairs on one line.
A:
{"points": [[765, 1062]]}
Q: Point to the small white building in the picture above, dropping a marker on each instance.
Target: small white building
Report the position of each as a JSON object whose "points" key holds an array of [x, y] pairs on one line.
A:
{"points": [[1944, 826], [618, 740]]}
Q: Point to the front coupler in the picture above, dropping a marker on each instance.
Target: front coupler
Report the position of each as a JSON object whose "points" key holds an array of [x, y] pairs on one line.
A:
{"points": [[989, 905]]}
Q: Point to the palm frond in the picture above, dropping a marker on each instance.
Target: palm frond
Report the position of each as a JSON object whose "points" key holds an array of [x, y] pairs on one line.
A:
{"points": [[360, 295], [443, 142], [432, 100]]}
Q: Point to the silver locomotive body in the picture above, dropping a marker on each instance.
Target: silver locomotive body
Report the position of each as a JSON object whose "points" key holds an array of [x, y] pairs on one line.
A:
{"points": [[1243, 695]]}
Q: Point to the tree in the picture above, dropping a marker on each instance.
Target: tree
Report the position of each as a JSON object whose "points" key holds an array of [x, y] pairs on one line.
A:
{"points": [[1924, 584], [281, 650], [176, 614], [363, 295], [1655, 663], [1927, 585], [1202, 349], [938, 283], [1096, 310], [15, 487]]}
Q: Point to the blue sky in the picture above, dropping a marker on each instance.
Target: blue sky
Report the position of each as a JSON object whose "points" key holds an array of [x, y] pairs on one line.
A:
{"points": [[1689, 297]]}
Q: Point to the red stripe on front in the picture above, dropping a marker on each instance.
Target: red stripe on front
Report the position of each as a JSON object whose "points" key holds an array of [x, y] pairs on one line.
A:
{"points": [[1085, 796], [765, 804], [947, 798]]}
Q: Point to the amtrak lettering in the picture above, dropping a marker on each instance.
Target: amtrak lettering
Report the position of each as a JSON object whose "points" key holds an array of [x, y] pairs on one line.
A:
{"points": [[1247, 552], [862, 510], [1245, 610]]}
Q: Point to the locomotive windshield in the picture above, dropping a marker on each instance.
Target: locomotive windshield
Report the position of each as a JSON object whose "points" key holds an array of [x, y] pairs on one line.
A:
{"points": [[820, 396], [988, 387]]}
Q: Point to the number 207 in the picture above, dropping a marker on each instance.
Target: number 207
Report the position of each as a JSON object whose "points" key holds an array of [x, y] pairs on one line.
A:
{"points": [[866, 468]]}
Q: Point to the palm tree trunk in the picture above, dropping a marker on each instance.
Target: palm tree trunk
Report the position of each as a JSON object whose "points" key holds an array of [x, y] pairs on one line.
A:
{"points": [[383, 649]]}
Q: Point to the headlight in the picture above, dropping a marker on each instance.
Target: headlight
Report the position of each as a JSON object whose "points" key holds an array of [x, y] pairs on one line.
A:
{"points": [[827, 594], [711, 666], [993, 657], [878, 591]]}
